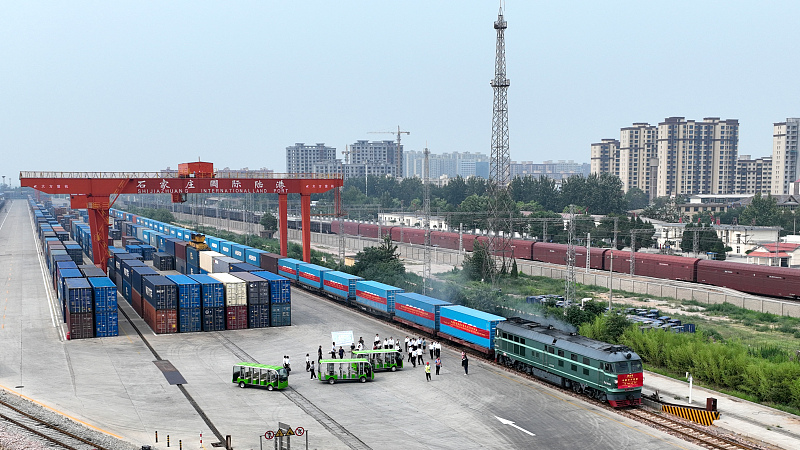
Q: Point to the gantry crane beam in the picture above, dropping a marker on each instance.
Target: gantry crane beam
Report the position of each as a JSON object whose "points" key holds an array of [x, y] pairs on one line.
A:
{"points": [[92, 190]]}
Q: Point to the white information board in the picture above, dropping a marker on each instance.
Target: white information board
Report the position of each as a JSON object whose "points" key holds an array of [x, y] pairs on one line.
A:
{"points": [[343, 338]]}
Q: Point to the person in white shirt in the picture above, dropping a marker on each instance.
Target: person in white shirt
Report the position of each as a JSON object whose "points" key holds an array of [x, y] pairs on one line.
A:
{"points": [[391, 342], [406, 343], [385, 343]]}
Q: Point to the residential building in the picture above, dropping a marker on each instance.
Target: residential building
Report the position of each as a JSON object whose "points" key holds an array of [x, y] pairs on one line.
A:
{"points": [[713, 203], [753, 175], [638, 157], [300, 158], [448, 164], [605, 157], [781, 254], [379, 153], [785, 161], [697, 157], [552, 169], [740, 238]]}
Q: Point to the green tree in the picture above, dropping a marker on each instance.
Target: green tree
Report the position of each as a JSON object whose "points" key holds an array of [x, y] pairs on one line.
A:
{"points": [[601, 194], [762, 211], [269, 221], [707, 238], [636, 198], [479, 265], [381, 263], [664, 209]]}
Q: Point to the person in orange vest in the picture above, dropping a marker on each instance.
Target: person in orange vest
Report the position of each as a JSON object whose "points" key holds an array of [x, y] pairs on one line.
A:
{"points": [[428, 371]]}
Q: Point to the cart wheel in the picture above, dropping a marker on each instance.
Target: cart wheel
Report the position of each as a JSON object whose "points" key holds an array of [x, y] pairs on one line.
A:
{"points": [[363, 379], [242, 385], [270, 387], [394, 368], [331, 381]]}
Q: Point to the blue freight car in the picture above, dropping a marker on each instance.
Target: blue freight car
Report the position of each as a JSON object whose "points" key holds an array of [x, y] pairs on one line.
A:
{"points": [[418, 310], [469, 325], [377, 296], [311, 274], [340, 284]]}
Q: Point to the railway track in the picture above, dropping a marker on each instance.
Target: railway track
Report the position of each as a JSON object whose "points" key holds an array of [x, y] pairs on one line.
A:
{"points": [[44, 430], [697, 434]]}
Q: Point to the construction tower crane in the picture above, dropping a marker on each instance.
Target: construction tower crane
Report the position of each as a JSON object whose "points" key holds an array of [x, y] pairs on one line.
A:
{"points": [[398, 154]]}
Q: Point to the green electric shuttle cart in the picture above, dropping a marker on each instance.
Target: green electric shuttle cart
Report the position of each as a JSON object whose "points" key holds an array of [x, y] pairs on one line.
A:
{"points": [[334, 370], [383, 359], [251, 374]]}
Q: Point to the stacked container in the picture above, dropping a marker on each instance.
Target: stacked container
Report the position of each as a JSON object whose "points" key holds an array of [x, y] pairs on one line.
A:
{"points": [[235, 301], [138, 274], [419, 309], [78, 301], [280, 297], [469, 325], [207, 260], [160, 304], [212, 296], [163, 261], [257, 299], [189, 303], [222, 264], [104, 296]]}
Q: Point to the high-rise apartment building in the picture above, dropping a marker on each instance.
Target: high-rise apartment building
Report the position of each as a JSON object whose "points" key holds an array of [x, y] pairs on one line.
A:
{"points": [[300, 158], [444, 164], [638, 157], [378, 153], [753, 175], [785, 161], [556, 170], [697, 157], [605, 157]]}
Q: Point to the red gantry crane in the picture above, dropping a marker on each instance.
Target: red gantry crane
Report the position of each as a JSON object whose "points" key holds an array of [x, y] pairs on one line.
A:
{"points": [[97, 192]]}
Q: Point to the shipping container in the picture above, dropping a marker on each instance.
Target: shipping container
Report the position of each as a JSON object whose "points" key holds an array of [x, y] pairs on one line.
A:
{"points": [[377, 296], [127, 292], [287, 267], [77, 295], [340, 284], [106, 324], [269, 262], [258, 316], [147, 252], [189, 291], [180, 266], [163, 261], [89, 270], [161, 321], [311, 274], [238, 251], [222, 264], [80, 325], [253, 256], [244, 267], [138, 274], [61, 276], [236, 317], [192, 256], [257, 288], [212, 291], [419, 309], [180, 249], [214, 318], [225, 247], [235, 289], [207, 260], [160, 292], [213, 243], [280, 315], [470, 325], [279, 287], [104, 295], [190, 320]]}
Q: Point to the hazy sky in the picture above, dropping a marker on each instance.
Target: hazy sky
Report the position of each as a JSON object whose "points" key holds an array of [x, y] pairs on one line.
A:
{"points": [[143, 85]]}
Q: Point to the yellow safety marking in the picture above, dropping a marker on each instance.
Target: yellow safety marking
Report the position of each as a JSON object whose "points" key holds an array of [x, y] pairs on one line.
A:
{"points": [[279, 433], [697, 416], [289, 432], [587, 409], [61, 413]]}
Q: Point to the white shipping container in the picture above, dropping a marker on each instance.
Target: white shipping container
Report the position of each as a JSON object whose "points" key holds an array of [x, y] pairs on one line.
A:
{"points": [[235, 289], [207, 260]]}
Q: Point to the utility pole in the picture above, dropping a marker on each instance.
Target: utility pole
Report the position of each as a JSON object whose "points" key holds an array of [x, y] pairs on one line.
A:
{"points": [[569, 285], [611, 278], [588, 251], [614, 242], [696, 243], [633, 252]]}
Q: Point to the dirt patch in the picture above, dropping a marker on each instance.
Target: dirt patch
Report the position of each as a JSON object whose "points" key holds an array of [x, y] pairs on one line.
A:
{"points": [[664, 306]]}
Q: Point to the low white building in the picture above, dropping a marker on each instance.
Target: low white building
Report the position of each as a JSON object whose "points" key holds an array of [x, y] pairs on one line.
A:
{"points": [[411, 220], [739, 238], [776, 254]]}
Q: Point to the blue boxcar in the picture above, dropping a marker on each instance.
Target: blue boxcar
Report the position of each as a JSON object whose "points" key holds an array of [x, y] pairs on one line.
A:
{"points": [[419, 309], [253, 256], [376, 295], [311, 274], [188, 292], [258, 316], [225, 247], [190, 320], [212, 293], [340, 284], [78, 295], [106, 324], [279, 287], [238, 251], [160, 292], [469, 324], [287, 267], [214, 318], [104, 293]]}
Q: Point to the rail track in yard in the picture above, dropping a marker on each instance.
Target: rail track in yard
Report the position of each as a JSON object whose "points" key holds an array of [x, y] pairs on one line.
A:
{"points": [[44, 430]]}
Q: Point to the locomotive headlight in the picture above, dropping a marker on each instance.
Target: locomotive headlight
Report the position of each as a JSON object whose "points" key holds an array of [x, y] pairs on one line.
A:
{"points": [[616, 381]]}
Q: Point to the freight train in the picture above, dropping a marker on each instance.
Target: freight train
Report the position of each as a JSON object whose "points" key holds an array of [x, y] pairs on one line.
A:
{"points": [[750, 278], [601, 365]]}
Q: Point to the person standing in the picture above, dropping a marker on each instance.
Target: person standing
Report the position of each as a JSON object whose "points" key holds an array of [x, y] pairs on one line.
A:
{"points": [[333, 351], [313, 372], [424, 345], [341, 352], [428, 371], [319, 354], [386, 343], [431, 348], [465, 363], [308, 362], [419, 355], [438, 364], [438, 352], [352, 348], [406, 343], [411, 356], [376, 342], [391, 342]]}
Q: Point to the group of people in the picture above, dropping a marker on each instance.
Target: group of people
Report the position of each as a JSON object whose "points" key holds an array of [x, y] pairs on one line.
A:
{"points": [[415, 347]]}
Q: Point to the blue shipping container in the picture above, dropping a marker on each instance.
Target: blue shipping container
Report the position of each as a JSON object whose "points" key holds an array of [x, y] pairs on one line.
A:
{"points": [[258, 316], [280, 315], [419, 309], [225, 247], [213, 243], [253, 256], [311, 274], [469, 324], [192, 257], [78, 295], [138, 275], [104, 294], [279, 287], [106, 324], [212, 293], [237, 251], [190, 320], [160, 292], [340, 284], [214, 318], [244, 267], [376, 295], [188, 292], [287, 267], [126, 291]]}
